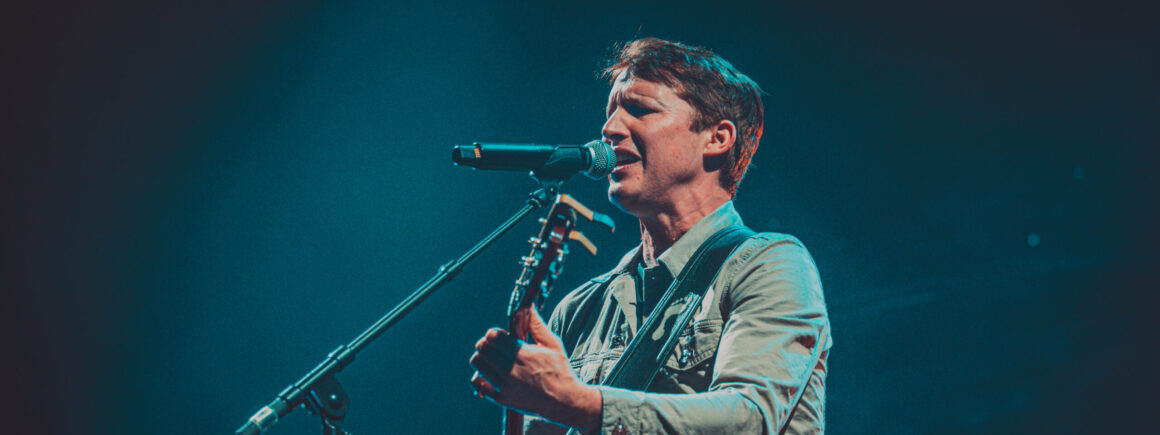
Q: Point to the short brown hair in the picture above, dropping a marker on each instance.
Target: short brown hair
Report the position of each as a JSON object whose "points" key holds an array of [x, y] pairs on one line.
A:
{"points": [[710, 84]]}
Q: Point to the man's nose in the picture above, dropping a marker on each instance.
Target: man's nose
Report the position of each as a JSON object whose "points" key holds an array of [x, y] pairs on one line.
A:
{"points": [[614, 129]]}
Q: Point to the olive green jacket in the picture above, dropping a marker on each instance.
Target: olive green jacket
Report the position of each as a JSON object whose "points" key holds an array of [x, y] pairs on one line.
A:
{"points": [[752, 360]]}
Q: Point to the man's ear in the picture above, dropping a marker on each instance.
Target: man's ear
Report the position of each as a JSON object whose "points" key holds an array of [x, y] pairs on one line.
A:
{"points": [[722, 136]]}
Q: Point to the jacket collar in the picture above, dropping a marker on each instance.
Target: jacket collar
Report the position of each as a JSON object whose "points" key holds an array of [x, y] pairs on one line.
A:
{"points": [[673, 258]]}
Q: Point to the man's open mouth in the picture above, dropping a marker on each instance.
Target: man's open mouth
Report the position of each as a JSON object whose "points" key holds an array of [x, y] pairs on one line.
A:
{"points": [[626, 159]]}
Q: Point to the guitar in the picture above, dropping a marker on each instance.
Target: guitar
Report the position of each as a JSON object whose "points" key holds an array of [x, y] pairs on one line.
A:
{"points": [[540, 269]]}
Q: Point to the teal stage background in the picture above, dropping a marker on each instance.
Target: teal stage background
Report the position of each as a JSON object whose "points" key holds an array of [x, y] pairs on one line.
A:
{"points": [[202, 200]]}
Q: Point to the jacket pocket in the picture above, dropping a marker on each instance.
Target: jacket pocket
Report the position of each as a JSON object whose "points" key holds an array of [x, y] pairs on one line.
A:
{"points": [[690, 364]]}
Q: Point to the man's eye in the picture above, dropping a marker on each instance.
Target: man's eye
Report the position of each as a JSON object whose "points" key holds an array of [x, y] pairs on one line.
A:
{"points": [[637, 111], [634, 110]]}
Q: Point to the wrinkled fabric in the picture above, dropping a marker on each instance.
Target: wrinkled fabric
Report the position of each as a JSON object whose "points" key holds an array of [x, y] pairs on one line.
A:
{"points": [[752, 360]]}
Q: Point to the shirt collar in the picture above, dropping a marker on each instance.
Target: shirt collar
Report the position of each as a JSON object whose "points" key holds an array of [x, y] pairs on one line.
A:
{"points": [[677, 255]]}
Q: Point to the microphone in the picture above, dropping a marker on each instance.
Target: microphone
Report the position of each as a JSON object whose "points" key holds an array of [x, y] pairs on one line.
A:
{"points": [[596, 159]]}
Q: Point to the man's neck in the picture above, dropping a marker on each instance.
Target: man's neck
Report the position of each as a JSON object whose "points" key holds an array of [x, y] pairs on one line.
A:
{"points": [[658, 233]]}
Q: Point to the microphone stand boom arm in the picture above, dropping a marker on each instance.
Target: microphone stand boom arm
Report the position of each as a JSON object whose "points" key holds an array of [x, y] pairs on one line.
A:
{"points": [[320, 391]]}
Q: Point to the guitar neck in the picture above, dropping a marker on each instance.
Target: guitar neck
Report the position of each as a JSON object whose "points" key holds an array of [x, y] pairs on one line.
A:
{"points": [[513, 423]]}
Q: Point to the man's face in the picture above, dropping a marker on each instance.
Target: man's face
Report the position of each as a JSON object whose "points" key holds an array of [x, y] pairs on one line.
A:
{"points": [[658, 155]]}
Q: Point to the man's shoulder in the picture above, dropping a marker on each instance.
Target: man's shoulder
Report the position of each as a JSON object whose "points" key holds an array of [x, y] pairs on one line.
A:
{"points": [[577, 305], [769, 237], [584, 292], [773, 265], [764, 244], [587, 290]]}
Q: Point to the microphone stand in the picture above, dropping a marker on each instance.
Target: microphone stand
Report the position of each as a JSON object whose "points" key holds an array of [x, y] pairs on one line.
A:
{"points": [[320, 392]]}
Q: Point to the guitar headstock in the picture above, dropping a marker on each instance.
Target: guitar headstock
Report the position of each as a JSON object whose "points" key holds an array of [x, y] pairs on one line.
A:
{"points": [[549, 248]]}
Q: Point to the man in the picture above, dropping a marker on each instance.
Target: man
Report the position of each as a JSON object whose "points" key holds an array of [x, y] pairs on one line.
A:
{"points": [[684, 124]]}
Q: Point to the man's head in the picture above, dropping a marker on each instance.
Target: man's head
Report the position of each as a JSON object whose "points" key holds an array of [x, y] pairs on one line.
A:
{"points": [[711, 85]]}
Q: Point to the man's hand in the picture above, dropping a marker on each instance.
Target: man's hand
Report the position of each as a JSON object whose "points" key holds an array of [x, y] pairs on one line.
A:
{"points": [[534, 378]]}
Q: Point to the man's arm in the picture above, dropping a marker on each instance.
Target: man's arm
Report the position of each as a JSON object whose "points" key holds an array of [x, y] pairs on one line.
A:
{"points": [[771, 348]]}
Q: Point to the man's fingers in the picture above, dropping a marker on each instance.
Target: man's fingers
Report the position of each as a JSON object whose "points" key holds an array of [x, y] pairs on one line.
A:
{"points": [[494, 357], [482, 387], [541, 333], [492, 334], [494, 367], [502, 352]]}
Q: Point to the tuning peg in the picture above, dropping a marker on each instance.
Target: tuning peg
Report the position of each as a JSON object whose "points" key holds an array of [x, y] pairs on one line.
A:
{"points": [[583, 240], [599, 218]]}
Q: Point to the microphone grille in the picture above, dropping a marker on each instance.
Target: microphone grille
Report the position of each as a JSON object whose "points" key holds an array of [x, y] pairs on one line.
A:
{"points": [[603, 159]]}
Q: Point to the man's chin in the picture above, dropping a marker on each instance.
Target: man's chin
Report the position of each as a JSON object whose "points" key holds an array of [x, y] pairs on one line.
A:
{"points": [[622, 200]]}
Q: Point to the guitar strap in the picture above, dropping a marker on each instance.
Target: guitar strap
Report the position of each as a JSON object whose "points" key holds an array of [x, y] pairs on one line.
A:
{"points": [[649, 349]]}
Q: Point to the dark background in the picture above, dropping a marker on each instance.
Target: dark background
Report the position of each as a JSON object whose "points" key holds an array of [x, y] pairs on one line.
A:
{"points": [[201, 201]]}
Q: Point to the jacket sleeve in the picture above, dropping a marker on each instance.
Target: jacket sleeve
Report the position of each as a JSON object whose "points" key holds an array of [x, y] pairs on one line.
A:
{"points": [[771, 351]]}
